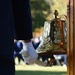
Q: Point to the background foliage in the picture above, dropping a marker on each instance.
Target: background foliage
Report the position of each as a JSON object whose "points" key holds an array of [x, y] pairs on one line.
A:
{"points": [[43, 10]]}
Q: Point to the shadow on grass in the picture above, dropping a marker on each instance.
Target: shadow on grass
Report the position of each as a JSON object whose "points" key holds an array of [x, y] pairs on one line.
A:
{"points": [[40, 73]]}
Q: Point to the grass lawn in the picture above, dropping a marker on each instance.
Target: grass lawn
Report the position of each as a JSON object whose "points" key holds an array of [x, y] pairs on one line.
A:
{"points": [[39, 70]]}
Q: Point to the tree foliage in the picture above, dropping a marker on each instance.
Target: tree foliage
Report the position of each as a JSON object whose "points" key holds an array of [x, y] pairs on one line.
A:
{"points": [[39, 9], [42, 10]]}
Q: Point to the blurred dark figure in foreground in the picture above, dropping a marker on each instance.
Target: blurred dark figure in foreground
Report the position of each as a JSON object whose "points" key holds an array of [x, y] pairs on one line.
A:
{"points": [[15, 17]]}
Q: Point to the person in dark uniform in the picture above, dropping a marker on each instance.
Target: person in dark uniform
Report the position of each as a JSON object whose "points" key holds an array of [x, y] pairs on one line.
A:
{"points": [[15, 19], [17, 48]]}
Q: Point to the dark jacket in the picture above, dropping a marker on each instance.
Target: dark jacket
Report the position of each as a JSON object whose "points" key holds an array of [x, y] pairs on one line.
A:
{"points": [[15, 17]]}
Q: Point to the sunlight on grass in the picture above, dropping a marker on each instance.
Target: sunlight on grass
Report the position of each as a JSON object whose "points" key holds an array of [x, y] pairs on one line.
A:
{"points": [[40, 70], [23, 69]]}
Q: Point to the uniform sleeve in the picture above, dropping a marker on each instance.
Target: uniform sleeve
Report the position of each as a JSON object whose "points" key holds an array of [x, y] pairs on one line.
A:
{"points": [[22, 19]]}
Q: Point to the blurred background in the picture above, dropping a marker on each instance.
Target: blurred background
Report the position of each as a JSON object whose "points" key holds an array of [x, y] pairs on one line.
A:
{"points": [[41, 11]]}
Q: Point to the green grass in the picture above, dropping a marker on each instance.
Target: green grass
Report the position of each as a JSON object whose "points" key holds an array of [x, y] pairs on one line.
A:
{"points": [[39, 70], [39, 73]]}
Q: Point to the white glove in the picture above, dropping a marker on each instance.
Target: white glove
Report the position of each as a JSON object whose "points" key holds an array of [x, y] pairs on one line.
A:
{"points": [[28, 53]]}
